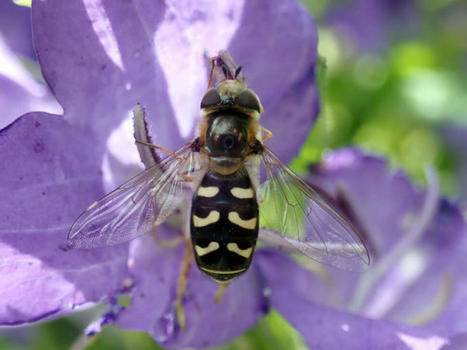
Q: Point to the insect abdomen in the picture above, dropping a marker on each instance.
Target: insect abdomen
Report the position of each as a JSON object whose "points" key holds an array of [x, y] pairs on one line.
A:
{"points": [[224, 224]]}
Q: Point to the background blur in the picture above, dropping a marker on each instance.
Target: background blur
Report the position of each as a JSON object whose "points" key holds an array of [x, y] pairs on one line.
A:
{"points": [[392, 77]]}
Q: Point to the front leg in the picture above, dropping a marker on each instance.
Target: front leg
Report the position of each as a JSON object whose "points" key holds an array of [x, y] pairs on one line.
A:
{"points": [[155, 147], [268, 134]]}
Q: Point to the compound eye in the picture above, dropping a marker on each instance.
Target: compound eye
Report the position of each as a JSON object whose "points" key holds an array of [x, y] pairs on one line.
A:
{"points": [[211, 98], [228, 141], [248, 99]]}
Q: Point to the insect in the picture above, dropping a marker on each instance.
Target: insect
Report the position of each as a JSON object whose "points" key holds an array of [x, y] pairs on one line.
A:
{"points": [[219, 174]]}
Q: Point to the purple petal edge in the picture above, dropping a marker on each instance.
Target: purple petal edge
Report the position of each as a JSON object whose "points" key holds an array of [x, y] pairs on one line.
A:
{"points": [[52, 176], [325, 328]]}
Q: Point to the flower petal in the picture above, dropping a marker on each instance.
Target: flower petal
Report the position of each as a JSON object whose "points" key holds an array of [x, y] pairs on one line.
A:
{"points": [[21, 93], [426, 285], [439, 294], [99, 61], [156, 269], [325, 328], [50, 175], [386, 202], [276, 44], [154, 54], [15, 28]]}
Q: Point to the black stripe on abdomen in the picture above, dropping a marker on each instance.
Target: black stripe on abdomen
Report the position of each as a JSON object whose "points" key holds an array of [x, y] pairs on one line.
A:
{"points": [[224, 224]]}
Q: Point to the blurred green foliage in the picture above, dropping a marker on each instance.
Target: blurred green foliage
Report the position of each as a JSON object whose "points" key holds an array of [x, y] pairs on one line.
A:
{"points": [[396, 101], [393, 102]]}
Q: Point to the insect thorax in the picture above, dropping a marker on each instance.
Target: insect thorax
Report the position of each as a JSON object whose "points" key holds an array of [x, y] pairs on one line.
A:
{"points": [[224, 224], [226, 136]]}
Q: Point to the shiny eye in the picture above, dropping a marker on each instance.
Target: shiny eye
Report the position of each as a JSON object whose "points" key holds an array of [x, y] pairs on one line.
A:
{"points": [[211, 98], [228, 141], [248, 99]]}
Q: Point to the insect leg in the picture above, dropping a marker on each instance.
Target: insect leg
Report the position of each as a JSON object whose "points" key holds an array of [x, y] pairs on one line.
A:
{"points": [[182, 283], [156, 147], [268, 134], [184, 174], [220, 292], [168, 243]]}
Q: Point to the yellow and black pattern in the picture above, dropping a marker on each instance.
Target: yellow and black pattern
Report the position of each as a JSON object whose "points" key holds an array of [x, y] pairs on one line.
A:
{"points": [[224, 224]]}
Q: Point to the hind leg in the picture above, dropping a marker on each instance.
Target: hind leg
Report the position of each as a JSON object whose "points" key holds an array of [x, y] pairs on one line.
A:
{"points": [[182, 284]]}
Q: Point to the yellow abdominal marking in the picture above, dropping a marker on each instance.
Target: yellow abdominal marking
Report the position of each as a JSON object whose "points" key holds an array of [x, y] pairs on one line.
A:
{"points": [[210, 191], [242, 193], [235, 219], [212, 246], [210, 219], [233, 247], [230, 272]]}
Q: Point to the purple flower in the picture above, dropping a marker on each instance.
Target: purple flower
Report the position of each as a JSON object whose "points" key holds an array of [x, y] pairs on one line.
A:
{"points": [[21, 92], [99, 60], [15, 28], [418, 239], [50, 174]]}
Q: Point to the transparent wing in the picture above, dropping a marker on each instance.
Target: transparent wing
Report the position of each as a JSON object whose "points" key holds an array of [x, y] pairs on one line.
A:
{"points": [[141, 204], [297, 218]]}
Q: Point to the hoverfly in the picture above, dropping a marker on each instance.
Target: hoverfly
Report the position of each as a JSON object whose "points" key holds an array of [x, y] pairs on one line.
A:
{"points": [[218, 173]]}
